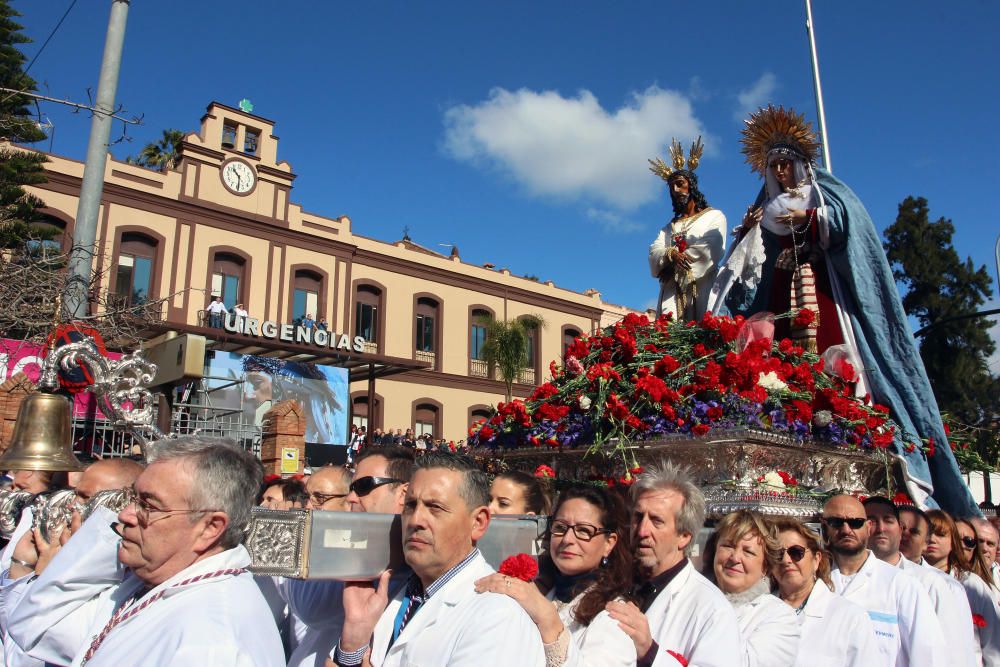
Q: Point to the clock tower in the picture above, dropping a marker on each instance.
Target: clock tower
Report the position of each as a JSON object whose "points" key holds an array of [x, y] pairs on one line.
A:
{"points": [[232, 164]]}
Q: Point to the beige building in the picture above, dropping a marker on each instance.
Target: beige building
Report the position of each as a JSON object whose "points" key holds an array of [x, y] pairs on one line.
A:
{"points": [[223, 222]]}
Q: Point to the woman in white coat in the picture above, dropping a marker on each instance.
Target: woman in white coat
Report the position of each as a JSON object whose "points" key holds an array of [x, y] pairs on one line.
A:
{"points": [[835, 631], [742, 553], [586, 565]]}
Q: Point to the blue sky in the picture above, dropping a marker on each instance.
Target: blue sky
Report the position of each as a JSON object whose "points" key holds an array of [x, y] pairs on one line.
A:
{"points": [[519, 130]]}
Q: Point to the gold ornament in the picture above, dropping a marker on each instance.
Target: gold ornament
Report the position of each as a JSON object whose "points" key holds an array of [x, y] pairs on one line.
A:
{"points": [[770, 127], [663, 170]]}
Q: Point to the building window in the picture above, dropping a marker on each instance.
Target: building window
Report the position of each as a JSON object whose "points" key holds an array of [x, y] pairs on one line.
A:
{"points": [[227, 278], [478, 414], [425, 419], [48, 235], [477, 333], [529, 373], [367, 300], [305, 295], [134, 273], [426, 318], [569, 337]]}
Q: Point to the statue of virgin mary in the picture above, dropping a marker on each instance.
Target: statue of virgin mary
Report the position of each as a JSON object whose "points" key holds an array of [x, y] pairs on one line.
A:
{"points": [[808, 246]]}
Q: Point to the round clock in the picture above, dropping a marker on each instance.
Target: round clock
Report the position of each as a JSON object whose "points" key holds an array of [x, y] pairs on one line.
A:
{"points": [[238, 176]]}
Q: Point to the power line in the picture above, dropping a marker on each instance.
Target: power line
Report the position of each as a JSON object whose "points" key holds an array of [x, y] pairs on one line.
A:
{"points": [[51, 35]]}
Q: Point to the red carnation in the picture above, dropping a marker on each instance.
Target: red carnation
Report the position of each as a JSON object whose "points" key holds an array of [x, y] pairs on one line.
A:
{"points": [[544, 471], [678, 657], [521, 566], [978, 621], [700, 429], [804, 318]]}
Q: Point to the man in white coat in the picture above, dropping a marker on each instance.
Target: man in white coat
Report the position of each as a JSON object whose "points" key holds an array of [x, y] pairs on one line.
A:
{"points": [[33, 554], [946, 594], [439, 619], [684, 618], [907, 631], [168, 584], [685, 255]]}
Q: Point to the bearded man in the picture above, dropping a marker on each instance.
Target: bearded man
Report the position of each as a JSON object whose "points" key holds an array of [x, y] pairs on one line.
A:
{"points": [[685, 255]]}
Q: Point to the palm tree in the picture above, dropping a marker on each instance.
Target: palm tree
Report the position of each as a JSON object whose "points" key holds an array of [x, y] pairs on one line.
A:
{"points": [[506, 347], [161, 155]]}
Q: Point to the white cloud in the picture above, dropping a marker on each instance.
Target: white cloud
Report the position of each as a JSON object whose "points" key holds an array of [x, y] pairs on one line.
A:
{"points": [[573, 147], [612, 221], [757, 95]]}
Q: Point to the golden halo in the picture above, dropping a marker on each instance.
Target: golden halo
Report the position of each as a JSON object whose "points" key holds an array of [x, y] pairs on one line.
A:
{"points": [[769, 127]]}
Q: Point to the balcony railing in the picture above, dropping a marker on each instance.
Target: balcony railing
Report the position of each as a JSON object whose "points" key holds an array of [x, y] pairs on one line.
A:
{"points": [[371, 347], [480, 369], [429, 357], [526, 376]]}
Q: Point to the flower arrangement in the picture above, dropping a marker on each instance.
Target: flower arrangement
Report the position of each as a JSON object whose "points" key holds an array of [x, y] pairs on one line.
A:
{"points": [[641, 379]]}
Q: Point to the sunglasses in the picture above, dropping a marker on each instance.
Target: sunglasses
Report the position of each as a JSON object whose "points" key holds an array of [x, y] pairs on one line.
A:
{"points": [[795, 552], [969, 542], [837, 522], [365, 485]]}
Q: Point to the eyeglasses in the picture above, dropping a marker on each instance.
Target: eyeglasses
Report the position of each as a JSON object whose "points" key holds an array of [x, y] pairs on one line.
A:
{"points": [[969, 542], [583, 531], [362, 486], [837, 522], [796, 552], [143, 508], [320, 499]]}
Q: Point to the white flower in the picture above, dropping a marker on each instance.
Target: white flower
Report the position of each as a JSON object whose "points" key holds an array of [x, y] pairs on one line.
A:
{"points": [[584, 403], [771, 382], [822, 418], [773, 479]]}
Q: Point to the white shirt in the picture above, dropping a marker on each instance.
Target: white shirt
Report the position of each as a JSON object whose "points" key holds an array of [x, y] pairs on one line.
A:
{"points": [[220, 620], [458, 627], [769, 631], [217, 307], [693, 618], [11, 592], [705, 234], [23, 526], [983, 603], [952, 609], [601, 644], [835, 633], [906, 628]]}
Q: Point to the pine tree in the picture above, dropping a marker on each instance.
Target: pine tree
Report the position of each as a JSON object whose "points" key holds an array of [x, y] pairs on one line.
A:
{"points": [[18, 209], [943, 293]]}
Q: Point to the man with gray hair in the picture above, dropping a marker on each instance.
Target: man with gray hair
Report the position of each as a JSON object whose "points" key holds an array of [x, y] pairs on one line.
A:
{"points": [[682, 617], [168, 583], [438, 618]]}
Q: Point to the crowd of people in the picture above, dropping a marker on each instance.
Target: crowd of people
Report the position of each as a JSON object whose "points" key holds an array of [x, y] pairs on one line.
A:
{"points": [[624, 576], [424, 442]]}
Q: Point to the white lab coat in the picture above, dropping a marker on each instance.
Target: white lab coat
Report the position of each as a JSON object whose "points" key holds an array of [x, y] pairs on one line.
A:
{"points": [[11, 592], [601, 644], [216, 621], [835, 633], [952, 609], [23, 526], [459, 627], [693, 618], [983, 602], [769, 630], [906, 628]]}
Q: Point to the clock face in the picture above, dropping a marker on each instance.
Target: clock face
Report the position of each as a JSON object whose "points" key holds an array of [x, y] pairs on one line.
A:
{"points": [[238, 176]]}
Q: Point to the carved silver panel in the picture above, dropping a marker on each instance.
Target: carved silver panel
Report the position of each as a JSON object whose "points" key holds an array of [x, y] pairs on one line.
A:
{"points": [[276, 540]]}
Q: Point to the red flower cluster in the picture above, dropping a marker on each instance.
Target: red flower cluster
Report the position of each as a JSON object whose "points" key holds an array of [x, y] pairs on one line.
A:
{"points": [[544, 471], [978, 621], [680, 242], [521, 566], [804, 318]]}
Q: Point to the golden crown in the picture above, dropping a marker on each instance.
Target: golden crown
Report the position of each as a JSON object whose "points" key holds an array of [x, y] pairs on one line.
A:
{"points": [[663, 170], [772, 127]]}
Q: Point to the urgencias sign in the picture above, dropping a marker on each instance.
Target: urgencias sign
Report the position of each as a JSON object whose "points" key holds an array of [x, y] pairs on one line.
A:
{"points": [[290, 333]]}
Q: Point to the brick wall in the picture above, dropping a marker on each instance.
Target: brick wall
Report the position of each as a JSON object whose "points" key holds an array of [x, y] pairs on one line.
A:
{"points": [[284, 427]]}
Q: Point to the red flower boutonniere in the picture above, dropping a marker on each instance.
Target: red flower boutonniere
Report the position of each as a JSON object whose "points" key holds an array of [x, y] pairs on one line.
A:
{"points": [[521, 566], [680, 243], [978, 621], [680, 658]]}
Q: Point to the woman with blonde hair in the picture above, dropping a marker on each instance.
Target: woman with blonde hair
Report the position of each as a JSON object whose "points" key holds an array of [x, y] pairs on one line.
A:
{"points": [[835, 631], [739, 558], [944, 551]]}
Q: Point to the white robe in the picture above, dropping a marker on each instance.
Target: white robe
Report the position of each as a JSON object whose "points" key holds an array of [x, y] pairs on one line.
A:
{"points": [[216, 621], [11, 592], [706, 246], [835, 633], [693, 618], [459, 627], [952, 609], [23, 526], [983, 602], [601, 644], [769, 630], [906, 628]]}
